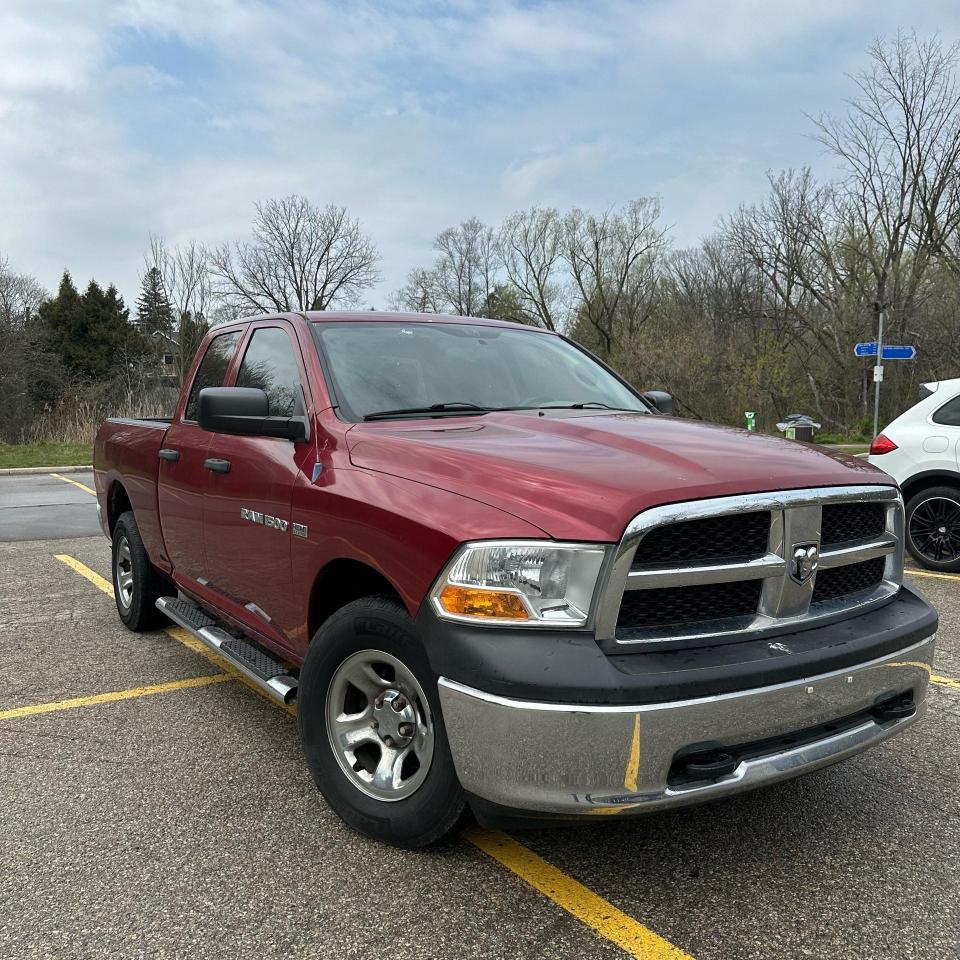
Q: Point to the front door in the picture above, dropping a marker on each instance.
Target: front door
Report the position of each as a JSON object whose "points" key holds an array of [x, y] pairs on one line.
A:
{"points": [[247, 526], [181, 476]]}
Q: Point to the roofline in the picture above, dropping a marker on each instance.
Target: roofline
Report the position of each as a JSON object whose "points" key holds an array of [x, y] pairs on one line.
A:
{"points": [[378, 316], [393, 316]]}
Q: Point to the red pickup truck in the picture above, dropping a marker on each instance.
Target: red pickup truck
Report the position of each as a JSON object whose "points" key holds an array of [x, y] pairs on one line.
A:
{"points": [[492, 574]]}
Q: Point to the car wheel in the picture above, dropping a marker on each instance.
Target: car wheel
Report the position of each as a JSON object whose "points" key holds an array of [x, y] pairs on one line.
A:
{"points": [[933, 528], [371, 728], [136, 585]]}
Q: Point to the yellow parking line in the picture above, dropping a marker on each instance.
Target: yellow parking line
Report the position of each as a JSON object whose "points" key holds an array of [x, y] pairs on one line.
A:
{"points": [[928, 573], [105, 585], [599, 914], [177, 633], [945, 681], [627, 933], [113, 696], [76, 483]]}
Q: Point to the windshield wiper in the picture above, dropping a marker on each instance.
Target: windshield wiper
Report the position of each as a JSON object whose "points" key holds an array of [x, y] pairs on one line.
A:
{"points": [[456, 406], [588, 404]]}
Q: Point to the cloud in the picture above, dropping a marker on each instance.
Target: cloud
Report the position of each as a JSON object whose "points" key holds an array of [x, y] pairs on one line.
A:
{"points": [[119, 118], [525, 179]]}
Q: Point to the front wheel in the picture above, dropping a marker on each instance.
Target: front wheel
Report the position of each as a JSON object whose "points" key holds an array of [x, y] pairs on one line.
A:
{"points": [[933, 528], [371, 728]]}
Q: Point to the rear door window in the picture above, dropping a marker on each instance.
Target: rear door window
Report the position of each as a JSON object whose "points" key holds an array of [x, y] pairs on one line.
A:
{"points": [[949, 413], [271, 365], [212, 369]]}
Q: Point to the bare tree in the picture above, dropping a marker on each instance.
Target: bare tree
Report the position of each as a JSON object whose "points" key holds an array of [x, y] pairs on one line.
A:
{"points": [[531, 246], [301, 257], [20, 296], [614, 260], [420, 294], [188, 283], [900, 144], [187, 276], [464, 274]]}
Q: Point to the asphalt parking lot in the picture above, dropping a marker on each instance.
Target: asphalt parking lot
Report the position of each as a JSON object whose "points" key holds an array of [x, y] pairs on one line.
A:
{"points": [[153, 805]]}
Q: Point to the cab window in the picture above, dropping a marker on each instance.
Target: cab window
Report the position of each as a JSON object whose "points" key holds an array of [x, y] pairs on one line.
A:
{"points": [[212, 369], [270, 365]]}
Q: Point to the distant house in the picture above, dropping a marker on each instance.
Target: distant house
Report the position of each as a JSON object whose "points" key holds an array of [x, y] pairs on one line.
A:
{"points": [[167, 350]]}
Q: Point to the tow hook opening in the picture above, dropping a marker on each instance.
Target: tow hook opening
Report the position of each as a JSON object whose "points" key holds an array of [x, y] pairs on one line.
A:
{"points": [[709, 766], [897, 707], [702, 762]]}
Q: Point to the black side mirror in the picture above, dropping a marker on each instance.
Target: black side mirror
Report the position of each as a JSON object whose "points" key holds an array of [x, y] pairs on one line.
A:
{"points": [[245, 411], [659, 399]]}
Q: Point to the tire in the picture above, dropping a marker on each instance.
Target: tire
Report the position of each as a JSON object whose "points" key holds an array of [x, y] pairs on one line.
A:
{"points": [[933, 528], [136, 585], [424, 802]]}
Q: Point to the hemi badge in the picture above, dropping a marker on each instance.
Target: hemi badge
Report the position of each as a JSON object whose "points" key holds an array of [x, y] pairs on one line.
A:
{"points": [[300, 530]]}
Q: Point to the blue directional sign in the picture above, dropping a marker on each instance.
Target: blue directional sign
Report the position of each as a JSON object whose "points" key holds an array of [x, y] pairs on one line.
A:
{"points": [[898, 353], [890, 351]]}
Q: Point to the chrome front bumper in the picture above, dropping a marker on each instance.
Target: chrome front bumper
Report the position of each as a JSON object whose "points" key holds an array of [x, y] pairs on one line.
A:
{"points": [[576, 760]]}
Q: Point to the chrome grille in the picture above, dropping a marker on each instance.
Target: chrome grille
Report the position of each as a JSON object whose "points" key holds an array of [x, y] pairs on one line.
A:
{"points": [[670, 606], [844, 581], [701, 541], [843, 522], [667, 589]]}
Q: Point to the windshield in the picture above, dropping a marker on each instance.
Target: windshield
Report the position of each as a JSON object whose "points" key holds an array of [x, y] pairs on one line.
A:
{"points": [[396, 367]]}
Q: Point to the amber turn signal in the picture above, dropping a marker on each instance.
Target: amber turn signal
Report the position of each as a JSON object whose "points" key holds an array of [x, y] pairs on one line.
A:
{"points": [[489, 604]]}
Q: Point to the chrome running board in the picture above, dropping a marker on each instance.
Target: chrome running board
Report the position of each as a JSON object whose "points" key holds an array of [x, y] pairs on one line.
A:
{"points": [[269, 674]]}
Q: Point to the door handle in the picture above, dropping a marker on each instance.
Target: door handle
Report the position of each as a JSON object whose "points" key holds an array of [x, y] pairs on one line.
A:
{"points": [[217, 466], [172, 455]]}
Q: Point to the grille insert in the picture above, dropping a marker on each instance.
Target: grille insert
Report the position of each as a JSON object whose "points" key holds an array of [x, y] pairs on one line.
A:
{"points": [[673, 606], [843, 522], [711, 539], [841, 581]]}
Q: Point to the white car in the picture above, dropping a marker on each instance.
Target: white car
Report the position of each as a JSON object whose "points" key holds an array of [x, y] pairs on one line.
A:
{"points": [[921, 451]]}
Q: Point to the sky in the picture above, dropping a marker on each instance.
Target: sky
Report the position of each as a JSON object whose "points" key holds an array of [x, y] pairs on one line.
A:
{"points": [[125, 118]]}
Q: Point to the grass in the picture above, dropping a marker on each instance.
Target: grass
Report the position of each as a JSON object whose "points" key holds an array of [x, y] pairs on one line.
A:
{"points": [[45, 454], [842, 438]]}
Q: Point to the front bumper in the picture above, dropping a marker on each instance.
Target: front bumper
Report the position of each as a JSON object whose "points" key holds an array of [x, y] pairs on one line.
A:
{"points": [[574, 759]]}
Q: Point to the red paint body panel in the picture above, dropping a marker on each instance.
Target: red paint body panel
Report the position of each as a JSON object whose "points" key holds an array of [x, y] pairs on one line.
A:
{"points": [[399, 497], [583, 475], [180, 499], [126, 452]]}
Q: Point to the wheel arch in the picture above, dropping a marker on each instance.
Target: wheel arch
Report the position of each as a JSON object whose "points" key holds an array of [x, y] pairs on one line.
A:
{"points": [[118, 502], [929, 478], [341, 581]]}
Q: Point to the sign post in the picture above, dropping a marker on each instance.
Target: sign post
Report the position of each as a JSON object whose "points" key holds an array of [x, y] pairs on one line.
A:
{"points": [[878, 373], [877, 348]]}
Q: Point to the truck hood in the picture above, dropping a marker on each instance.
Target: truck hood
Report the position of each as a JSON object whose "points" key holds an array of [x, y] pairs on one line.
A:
{"points": [[583, 475]]}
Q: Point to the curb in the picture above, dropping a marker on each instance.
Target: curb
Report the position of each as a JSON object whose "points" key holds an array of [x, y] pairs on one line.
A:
{"points": [[23, 471]]}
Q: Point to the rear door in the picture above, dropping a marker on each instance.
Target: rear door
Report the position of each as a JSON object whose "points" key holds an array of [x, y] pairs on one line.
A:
{"points": [[181, 476], [246, 528], [947, 420]]}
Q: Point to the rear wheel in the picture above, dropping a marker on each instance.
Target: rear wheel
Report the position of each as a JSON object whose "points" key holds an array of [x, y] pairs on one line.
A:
{"points": [[136, 585], [371, 727], [933, 528]]}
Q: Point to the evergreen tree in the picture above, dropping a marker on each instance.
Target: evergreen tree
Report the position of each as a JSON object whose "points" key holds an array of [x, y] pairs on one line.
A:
{"points": [[91, 331], [154, 312], [64, 320]]}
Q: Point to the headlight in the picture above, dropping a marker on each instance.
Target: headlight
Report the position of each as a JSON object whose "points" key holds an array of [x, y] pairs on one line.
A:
{"points": [[520, 582]]}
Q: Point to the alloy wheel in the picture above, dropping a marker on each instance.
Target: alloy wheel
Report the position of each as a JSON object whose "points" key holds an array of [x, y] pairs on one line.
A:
{"points": [[935, 529]]}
